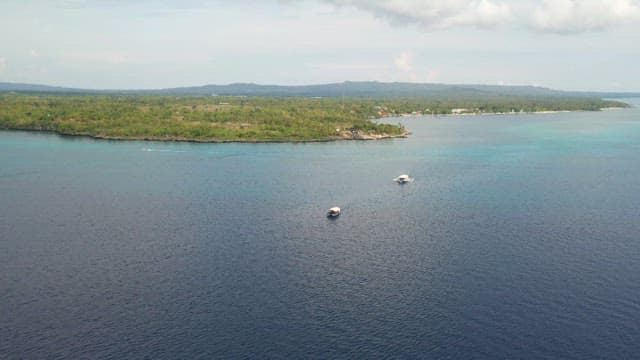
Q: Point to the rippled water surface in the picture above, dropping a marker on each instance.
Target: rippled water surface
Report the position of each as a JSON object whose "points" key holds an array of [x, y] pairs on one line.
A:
{"points": [[519, 238]]}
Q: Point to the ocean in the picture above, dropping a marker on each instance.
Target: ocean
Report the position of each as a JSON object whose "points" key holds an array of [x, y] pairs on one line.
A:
{"points": [[519, 238]]}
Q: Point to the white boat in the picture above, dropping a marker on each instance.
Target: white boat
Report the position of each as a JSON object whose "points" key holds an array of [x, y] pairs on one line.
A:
{"points": [[334, 211], [402, 179]]}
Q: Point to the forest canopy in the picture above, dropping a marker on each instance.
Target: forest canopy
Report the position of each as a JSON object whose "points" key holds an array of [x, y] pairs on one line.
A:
{"points": [[237, 118]]}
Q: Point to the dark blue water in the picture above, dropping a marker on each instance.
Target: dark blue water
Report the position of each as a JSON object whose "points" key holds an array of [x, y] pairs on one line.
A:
{"points": [[519, 238]]}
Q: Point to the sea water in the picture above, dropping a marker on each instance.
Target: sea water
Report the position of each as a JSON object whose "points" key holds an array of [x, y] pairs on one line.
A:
{"points": [[518, 238]]}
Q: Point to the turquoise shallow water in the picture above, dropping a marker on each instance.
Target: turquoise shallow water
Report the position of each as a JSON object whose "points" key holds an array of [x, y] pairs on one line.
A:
{"points": [[518, 239]]}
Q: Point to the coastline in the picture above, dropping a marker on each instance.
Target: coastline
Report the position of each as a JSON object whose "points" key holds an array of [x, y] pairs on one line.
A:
{"points": [[344, 135], [542, 112], [357, 136], [240, 120]]}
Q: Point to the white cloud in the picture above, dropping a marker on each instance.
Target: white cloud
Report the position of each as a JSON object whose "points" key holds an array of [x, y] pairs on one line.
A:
{"points": [[404, 62], [3, 64], [435, 13], [557, 16], [573, 16]]}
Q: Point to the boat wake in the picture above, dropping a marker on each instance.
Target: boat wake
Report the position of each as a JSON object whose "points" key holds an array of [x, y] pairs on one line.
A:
{"points": [[163, 150]]}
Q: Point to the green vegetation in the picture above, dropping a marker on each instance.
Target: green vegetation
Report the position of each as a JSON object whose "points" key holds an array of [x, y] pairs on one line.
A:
{"points": [[211, 119], [189, 118], [496, 104]]}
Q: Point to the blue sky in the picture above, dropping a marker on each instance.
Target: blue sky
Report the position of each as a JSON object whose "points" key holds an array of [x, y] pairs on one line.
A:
{"points": [[562, 44]]}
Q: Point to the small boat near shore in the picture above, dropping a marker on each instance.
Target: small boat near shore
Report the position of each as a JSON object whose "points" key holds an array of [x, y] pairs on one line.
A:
{"points": [[403, 179], [334, 212]]}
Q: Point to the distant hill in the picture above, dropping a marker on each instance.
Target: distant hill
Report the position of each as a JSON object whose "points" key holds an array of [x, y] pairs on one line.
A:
{"points": [[365, 89], [370, 89], [27, 88]]}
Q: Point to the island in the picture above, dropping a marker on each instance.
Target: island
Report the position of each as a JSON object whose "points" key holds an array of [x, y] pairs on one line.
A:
{"points": [[198, 119], [260, 118]]}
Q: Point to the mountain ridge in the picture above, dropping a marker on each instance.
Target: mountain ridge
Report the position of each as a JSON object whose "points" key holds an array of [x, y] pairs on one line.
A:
{"points": [[358, 89]]}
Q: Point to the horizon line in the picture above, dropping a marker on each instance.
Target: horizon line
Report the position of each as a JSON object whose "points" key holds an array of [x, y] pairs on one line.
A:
{"points": [[312, 84]]}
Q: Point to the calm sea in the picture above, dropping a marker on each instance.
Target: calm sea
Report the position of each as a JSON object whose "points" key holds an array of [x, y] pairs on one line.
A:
{"points": [[519, 238]]}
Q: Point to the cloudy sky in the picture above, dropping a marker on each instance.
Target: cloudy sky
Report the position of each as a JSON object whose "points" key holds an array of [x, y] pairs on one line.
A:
{"points": [[562, 44]]}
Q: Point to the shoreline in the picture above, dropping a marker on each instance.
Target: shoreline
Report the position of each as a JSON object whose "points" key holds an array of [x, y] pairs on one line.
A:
{"points": [[245, 120], [344, 135], [542, 112], [360, 136]]}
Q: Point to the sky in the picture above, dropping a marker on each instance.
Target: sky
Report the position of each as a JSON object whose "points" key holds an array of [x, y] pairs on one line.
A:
{"points": [[127, 44]]}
